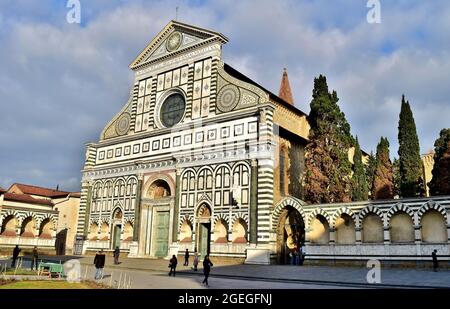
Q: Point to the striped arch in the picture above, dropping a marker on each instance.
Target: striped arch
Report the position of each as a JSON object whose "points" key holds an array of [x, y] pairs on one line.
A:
{"points": [[287, 201], [159, 176], [222, 217], [371, 209], [339, 212], [128, 219], [318, 211], [117, 206], [186, 218], [8, 213], [204, 200], [399, 207], [235, 217], [27, 215], [51, 218], [104, 220], [431, 205], [92, 220]]}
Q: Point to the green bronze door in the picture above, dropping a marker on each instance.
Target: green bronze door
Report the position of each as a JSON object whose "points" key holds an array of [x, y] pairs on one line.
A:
{"points": [[161, 233], [117, 231], [204, 239]]}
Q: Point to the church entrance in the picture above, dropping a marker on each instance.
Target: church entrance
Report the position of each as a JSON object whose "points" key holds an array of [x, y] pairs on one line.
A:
{"points": [[162, 233], [290, 234], [203, 230], [116, 237], [116, 228], [204, 239]]}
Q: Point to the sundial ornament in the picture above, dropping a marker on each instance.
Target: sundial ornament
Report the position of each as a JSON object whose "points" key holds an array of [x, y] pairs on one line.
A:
{"points": [[174, 41]]}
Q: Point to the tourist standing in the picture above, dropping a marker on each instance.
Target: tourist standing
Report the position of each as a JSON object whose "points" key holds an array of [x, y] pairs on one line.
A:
{"points": [[435, 260], [99, 262], [195, 261], [116, 255], [15, 255], [173, 265], [34, 258], [186, 258], [206, 269]]}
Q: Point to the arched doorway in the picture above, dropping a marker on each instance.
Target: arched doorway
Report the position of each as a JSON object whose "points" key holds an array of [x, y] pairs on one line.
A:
{"points": [[203, 230], [290, 233], [116, 228]]}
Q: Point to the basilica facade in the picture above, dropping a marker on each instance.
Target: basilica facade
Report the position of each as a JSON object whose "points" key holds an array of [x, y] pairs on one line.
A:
{"points": [[203, 158]]}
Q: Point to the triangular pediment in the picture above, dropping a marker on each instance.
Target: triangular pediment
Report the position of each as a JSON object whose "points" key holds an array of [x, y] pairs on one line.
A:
{"points": [[176, 38]]}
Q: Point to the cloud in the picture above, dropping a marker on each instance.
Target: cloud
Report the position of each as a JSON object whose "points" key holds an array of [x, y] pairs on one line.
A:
{"points": [[61, 83]]}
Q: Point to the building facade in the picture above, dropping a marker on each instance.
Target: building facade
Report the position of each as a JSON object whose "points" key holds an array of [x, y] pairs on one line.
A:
{"points": [[203, 158], [35, 216]]}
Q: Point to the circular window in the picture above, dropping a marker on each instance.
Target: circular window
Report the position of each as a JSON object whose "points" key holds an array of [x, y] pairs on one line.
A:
{"points": [[172, 110]]}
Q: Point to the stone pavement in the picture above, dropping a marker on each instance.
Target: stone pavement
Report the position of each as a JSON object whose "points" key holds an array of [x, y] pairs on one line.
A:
{"points": [[401, 277]]}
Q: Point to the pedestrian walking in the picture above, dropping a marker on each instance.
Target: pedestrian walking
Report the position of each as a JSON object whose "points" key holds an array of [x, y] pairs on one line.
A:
{"points": [[302, 259], [206, 269], [173, 265], [116, 255], [15, 255], [99, 262], [195, 261], [435, 260], [186, 258], [34, 259]]}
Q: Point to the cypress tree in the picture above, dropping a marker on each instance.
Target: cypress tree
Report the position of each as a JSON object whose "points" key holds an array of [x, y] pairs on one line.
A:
{"points": [[440, 183], [360, 191], [370, 171], [328, 169], [383, 186], [396, 176], [410, 164]]}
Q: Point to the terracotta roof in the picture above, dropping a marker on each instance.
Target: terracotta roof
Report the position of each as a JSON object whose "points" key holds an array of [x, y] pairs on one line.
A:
{"points": [[285, 89], [2, 190], [26, 199], [34, 190]]}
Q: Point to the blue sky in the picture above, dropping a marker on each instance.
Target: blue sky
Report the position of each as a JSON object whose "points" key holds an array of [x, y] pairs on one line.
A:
{"points": [[61, 83]]}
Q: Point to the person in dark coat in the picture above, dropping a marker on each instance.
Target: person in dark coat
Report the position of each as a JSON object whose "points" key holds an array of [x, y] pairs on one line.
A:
{"points": [[99, 262], [206, 269], [15, 255], [435, 260], [34, 258], [116, 255], [186, 258], [173, 265]]}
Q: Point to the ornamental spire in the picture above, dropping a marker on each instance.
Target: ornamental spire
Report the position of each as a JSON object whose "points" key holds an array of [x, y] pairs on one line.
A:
{"points": [[285, 89]]}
